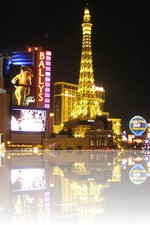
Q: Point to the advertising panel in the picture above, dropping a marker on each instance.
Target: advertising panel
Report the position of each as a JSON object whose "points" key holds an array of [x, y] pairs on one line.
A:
{"points": [[28, 179], [27, 120], [30, 77], [138, 125], [22, 81]]}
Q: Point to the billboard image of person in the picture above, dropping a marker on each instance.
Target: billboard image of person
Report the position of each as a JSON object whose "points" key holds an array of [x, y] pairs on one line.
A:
{"points": [[22, 82]]}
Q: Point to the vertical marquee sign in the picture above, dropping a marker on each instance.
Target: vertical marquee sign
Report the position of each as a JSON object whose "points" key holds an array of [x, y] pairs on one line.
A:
{"points": [[43, 79]]}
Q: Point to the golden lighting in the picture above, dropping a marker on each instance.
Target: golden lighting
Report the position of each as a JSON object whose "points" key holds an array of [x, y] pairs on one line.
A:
{"points": [[89, 200], [2, 149], [87, 103]]}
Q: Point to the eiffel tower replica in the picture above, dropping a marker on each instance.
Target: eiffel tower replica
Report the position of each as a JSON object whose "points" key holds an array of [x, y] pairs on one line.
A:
{"points": [[87, 106]]}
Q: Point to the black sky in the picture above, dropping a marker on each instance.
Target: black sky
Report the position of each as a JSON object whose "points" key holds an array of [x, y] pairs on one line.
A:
{"points": [[120, 44]]}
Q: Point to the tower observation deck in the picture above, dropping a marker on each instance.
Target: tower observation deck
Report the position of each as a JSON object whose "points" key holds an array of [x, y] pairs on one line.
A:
{"points": [[87, 105]]}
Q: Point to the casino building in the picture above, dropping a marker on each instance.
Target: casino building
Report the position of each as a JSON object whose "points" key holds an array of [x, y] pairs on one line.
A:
{"points": [[25, 89], [25, 74]]}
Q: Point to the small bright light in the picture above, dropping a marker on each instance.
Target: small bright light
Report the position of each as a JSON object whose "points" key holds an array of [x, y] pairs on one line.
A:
{"points": [[35, 150]]}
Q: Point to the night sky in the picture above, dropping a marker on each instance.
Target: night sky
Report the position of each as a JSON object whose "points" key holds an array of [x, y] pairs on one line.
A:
{"points": [[120, 45]]}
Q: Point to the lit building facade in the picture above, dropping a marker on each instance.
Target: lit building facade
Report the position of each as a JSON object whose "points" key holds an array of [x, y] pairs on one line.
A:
{"points": [[116, 125], [64, 100], [25, 76]]}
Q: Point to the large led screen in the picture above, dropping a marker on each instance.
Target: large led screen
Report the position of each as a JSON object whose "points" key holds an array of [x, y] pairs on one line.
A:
{"points": [[27, 120], [28, 179]]}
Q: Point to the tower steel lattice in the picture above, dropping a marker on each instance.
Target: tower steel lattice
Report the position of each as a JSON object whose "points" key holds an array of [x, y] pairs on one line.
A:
{"points": [[87, 105]]}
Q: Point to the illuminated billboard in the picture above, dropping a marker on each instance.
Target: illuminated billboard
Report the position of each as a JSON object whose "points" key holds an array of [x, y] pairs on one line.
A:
{"points": [[30, 78], [28, 179], [138, 125], [27, 120], [43, 79], [22, 80]]}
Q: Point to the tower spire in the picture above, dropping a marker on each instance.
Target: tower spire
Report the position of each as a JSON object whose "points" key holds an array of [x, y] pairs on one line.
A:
{"points": [[86, 105]]}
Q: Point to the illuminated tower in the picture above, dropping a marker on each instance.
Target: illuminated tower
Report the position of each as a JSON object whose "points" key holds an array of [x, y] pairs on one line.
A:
{"points": [[87, 105]]}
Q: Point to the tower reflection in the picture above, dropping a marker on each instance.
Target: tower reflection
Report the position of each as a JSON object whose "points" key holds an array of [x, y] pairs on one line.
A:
{"points": [[93, 186]]}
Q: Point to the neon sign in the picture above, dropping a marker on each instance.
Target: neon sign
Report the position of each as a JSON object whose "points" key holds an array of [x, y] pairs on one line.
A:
{"points": [[138, 125], [43, 79]]}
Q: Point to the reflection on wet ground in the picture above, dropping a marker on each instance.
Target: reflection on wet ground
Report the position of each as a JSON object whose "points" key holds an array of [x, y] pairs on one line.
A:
{"points": [[82, 187]]}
